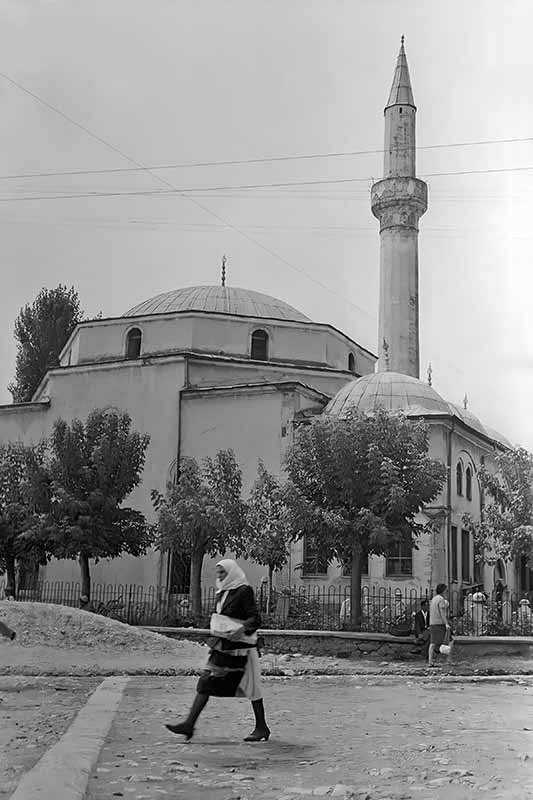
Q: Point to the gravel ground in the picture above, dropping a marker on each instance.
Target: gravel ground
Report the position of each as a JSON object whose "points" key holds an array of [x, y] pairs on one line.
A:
{"points": [[58, 640], [365, 738], [34, 714], [55, 625]]}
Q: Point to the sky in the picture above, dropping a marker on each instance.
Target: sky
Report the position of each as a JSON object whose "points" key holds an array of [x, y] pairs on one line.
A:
{"points": [[123, 84]]}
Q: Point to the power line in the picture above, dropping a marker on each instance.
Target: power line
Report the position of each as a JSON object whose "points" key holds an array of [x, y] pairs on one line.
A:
{"points": [[203, 207], [232, 162], [175, 190], [187, 191]]}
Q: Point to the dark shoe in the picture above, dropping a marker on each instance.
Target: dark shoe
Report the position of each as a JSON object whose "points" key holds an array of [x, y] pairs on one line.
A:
{"points": [[12, 635], [184, 728], [258, 735]]}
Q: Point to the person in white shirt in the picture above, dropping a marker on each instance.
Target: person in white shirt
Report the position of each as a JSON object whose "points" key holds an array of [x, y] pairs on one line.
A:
{"points": [[345, 613], [439, 621]]}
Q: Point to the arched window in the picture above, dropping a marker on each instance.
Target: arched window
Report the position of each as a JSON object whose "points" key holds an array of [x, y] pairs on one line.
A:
{"points": [[351, 362], [468, 483], [259, 348], [133, 343], [459, 478]]}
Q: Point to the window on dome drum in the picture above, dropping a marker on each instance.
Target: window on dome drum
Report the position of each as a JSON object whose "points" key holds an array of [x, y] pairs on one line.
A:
{"points": [[453, 553], [259, 348], [465, 557], [314, 562], [459, 478], [133, 343], [468, 477], [399, 558], [351, 362]]}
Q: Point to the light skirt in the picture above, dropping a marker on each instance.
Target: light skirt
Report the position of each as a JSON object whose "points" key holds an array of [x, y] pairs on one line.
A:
{"points": [[250, 685]]}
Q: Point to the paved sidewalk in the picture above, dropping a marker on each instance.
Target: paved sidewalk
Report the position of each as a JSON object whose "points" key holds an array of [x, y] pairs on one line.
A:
{"points": [[362, 737]]}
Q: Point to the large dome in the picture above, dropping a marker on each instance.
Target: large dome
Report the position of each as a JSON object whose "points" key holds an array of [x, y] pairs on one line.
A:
{"points": [[222, 299], [391, 391]]}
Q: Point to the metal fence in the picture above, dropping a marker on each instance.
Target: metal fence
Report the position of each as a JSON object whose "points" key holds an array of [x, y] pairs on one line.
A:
{"points": [[384, 610]]}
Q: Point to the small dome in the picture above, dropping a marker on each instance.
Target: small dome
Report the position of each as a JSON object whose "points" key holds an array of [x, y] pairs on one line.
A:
{"points": [[469, 419], [391, 391], [498, 437], [221, 299], [395, 392]]}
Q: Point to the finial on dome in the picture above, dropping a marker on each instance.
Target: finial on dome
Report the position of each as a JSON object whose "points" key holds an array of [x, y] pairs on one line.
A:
{"points": [[402, 40], [465, 401], [430, 373], [224, 270], [387, 356]]}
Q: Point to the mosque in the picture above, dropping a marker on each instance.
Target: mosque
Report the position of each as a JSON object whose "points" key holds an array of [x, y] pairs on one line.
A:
{"points": [[204, 368]]}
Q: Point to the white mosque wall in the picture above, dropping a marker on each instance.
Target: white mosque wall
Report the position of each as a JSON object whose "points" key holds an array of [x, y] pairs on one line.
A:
{"points": [[105, 340], [150, 395], [254, 424], [223, 373], [27, 423]]}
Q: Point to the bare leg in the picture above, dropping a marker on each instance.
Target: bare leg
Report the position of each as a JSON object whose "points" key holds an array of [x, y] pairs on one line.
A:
{"points": [[431, 652], [187, 728]]}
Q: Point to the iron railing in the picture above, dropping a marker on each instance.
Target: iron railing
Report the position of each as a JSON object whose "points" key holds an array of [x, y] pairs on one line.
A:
{"points": [[384, 610]]}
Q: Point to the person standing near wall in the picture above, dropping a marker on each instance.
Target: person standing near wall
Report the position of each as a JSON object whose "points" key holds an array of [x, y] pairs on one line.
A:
{"points": [[4, 630], [421, 627], [439, 622]]}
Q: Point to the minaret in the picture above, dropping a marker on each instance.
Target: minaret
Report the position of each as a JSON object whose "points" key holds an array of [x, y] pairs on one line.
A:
{"points": [[398, 201]]}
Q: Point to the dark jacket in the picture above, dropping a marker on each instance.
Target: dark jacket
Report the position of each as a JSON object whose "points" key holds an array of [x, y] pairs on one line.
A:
{"points": [[240, 604], [420, 623]]}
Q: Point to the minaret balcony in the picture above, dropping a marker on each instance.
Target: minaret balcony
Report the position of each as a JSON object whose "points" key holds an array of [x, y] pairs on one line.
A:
{"points": [[399, 198]]}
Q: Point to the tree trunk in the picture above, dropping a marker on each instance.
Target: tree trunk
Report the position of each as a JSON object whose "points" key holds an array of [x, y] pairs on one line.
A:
{"points": [[269, 594], [355, 589], [10, 571], [195, 588], [85, 576]]}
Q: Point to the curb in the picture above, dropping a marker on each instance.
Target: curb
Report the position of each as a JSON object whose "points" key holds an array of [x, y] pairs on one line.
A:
{"points": [[64, 770], [422, 673]]}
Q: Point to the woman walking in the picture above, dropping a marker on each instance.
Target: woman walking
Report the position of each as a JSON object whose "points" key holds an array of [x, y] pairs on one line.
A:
{"points": [[232, 669]]}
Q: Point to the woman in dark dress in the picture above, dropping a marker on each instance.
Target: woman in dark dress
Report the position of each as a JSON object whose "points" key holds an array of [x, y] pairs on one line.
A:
{"points": [[232, 669]]}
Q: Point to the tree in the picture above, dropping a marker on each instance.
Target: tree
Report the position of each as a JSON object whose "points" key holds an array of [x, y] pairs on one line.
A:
{"points": [[41, 330], [94, 466], [268, 530], [355, 484], [506, 527], [24, 497], [202, 514]]}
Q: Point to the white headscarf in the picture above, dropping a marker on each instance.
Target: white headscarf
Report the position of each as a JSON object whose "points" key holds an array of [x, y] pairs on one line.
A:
{"points": [[235, 576]]}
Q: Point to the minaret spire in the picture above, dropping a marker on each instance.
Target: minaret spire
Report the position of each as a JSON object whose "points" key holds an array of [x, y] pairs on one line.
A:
{"points": [[401, 92], [398, 201]]}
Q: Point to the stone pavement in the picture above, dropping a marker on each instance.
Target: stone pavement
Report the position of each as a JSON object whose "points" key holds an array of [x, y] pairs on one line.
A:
{"points": [[365, 737]]}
